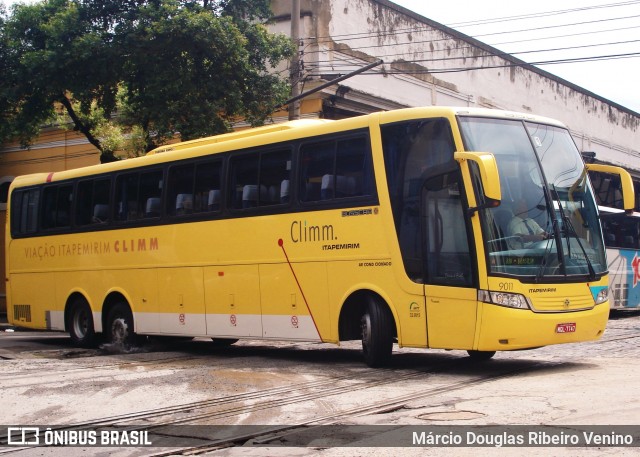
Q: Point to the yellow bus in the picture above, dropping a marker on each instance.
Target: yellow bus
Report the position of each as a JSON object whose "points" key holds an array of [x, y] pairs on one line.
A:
{"points": [[388, 228]]}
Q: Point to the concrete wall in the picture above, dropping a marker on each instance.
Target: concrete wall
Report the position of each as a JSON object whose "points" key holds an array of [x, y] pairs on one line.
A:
{"points": [[421, 58]]}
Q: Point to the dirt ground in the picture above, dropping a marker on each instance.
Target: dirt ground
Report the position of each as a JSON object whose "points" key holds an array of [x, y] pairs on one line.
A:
{"points": [[46, 382]]}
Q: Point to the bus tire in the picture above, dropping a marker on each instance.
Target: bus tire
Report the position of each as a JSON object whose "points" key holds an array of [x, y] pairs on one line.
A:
{"points": [[119, 329], [377, 333], [481, 355], [80, 323], [223, 342]]}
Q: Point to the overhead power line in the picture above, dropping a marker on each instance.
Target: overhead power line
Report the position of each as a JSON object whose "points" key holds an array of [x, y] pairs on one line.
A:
{"points": [[506, 54], [405, 43], [506, 65], [465, 47], [559, 25], [426, 27], [538, 15], [570, 35]]}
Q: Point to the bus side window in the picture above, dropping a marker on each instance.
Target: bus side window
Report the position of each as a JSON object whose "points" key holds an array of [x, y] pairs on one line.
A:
{"points": [[127, 197], [180, 190], [213, 200], [353, 174], [92, 202], [25, 206], [150, 194], [317, 161], [284, 191], [84, 203], [275, 168], [207, 186], [243, 182], [336, 169], [57, 206]]}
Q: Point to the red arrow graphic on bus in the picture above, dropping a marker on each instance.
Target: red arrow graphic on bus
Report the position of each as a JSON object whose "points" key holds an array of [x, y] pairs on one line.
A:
{"points": [[281, 244]]}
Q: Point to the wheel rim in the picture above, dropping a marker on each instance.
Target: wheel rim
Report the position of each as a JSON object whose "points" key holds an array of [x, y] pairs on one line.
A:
{"points": [[81, 323], [119, 331]]}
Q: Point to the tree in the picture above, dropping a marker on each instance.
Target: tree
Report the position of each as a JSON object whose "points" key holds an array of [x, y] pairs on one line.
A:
{"points": [[158, 67]]}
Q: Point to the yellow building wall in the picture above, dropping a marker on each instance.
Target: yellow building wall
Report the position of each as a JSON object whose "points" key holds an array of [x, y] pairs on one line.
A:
{"points": [[54, 150]]}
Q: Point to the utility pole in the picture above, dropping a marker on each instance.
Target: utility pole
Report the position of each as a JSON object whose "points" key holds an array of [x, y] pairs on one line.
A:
{"points": [[294, 70]]}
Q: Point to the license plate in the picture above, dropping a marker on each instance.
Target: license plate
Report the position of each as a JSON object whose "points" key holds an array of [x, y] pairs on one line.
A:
{"points": [[566, 328]]}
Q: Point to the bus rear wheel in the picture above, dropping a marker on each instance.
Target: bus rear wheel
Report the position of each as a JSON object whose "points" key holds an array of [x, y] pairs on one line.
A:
{"points": [[119, 326], [377, 333], [80, 323]]}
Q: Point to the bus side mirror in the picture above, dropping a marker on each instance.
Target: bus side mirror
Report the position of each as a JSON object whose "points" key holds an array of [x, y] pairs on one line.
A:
{"points": [[488, 175], [626, 183]]}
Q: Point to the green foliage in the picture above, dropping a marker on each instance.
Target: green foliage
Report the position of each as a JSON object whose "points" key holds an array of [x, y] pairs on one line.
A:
{"points": [[156, 68]]}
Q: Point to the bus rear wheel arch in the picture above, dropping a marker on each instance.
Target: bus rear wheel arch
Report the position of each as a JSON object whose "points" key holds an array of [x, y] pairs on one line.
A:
{"points": [[79, 322]]}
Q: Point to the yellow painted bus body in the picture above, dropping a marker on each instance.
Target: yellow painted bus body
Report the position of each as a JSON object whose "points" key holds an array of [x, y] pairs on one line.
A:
{"points": [[284, 276]]}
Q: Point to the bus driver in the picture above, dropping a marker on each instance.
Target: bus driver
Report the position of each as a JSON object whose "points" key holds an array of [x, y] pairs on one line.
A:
{"points": [[524, 230]]}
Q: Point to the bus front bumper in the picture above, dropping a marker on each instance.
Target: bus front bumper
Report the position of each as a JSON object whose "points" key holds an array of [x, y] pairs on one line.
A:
{"points": [[507, 329]]}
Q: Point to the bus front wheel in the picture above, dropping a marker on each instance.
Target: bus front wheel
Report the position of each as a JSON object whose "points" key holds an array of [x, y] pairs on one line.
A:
{"points": [[80, 323], [120, 326], [377, 333]]}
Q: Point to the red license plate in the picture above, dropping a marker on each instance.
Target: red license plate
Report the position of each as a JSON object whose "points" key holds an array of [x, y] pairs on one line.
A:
{"points": [[566, 328]]}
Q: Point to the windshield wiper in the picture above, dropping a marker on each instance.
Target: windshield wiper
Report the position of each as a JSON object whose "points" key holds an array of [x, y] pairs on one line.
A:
{"points": [[547, 249], [569, 228]]}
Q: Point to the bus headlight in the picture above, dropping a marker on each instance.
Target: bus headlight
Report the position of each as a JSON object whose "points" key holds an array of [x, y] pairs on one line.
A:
{"points": [[602, 296], [509, 300]]}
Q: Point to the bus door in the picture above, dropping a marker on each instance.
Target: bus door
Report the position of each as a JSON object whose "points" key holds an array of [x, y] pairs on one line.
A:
{"points": [[451, 296]]}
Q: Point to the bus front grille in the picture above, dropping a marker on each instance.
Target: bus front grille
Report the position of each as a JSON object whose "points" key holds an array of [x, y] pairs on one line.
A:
{"points": [[559, 304]]}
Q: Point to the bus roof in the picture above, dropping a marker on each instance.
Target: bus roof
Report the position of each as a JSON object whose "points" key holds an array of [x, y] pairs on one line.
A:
{"points": [[297, 124], [407, 113], [267, 134], [385, 117], [240, 134]]}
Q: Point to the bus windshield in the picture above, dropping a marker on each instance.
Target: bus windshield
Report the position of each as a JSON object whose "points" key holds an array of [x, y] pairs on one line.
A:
{"points": [[546, 225]]}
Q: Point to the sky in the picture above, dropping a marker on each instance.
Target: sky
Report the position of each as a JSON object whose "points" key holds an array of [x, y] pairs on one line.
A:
{"points": [[589, 30], [594, 30]]}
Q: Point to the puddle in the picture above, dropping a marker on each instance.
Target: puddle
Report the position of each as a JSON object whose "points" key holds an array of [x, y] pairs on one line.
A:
{"points": [[119, 348], [60, 353]]}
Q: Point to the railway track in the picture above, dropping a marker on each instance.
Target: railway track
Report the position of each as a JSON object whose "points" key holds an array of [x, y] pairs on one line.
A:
{"points": [[283, 433], [229, 409], [322, 401]]}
